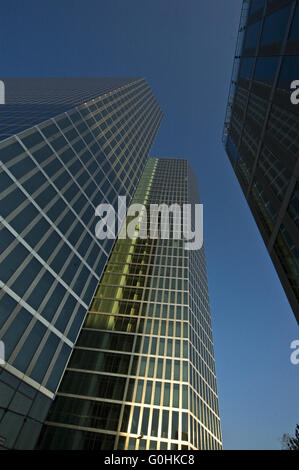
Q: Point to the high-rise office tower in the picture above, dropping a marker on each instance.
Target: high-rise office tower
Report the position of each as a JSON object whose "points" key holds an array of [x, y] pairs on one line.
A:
{"points": [[142, 373], [67, 145], [261, 133]]}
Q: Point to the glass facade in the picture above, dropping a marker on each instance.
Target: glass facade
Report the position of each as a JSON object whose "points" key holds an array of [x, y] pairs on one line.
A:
{"points": [[29, 101], [261, 134], [142, 373], [53, 176]]}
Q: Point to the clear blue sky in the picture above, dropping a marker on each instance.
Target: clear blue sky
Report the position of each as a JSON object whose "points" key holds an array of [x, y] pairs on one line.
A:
{"points": [[185, 48]]}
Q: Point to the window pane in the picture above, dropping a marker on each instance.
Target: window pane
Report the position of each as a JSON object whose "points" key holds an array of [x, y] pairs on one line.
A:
{"points": [[294, 33], [289, 72], [252, 34], [256, 5], [275, 26], [246, 67], [265, 69]]}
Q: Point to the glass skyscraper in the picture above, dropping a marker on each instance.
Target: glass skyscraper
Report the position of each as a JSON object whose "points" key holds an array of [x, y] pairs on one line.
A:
{"points": [[66, 146], [261, 133], [142, 373]]}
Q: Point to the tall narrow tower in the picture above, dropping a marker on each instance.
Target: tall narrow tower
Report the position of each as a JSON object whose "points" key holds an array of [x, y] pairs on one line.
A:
{"points": [[142, 373]]}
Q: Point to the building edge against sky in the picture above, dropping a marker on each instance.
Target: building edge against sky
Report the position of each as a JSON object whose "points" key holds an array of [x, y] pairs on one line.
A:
{"points": [[261, 133], [142, 374], [53, 176]]}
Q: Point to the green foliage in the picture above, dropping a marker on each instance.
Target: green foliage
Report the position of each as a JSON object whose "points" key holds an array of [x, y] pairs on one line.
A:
{"points": [[291, 442]]}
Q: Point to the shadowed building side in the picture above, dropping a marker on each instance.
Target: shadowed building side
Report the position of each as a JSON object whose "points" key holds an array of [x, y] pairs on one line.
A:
{"points": [[261, 134]]}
